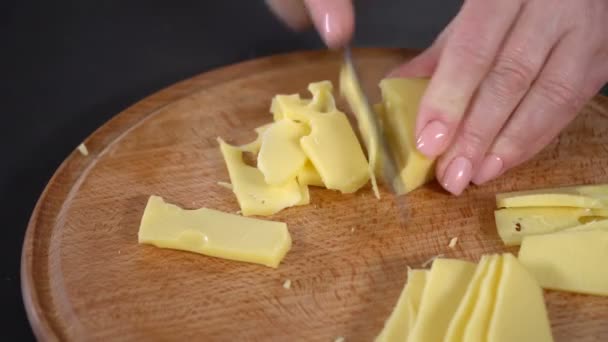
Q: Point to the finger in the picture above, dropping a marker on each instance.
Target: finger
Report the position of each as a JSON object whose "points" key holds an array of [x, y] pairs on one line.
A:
{"points": [[515, 68], [334, 20], [291, 12], [424, 64], [553, 101], [467, 56]]}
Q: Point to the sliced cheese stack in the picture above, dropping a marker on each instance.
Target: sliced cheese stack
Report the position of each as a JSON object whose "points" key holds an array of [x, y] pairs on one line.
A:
{"points": [[563, 234], [214, 233], [310, 143], [494, 300], [542, 211]]}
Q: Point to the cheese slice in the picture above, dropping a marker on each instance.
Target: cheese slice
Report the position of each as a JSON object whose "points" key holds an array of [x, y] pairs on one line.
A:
{"points": [[353, 94], [515, 223], [335, 152], [462, 316], [254, 146], [308, 175], [295, 108], [214, 233], [403, 317], [446, 284], [254, 195], [519, 311], [584, 196], [281, 156], [401, 99], [572, 261], [479, 320]]}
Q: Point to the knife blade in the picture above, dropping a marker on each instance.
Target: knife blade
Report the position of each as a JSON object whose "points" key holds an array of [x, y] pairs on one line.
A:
{"points": [[378, 149]]}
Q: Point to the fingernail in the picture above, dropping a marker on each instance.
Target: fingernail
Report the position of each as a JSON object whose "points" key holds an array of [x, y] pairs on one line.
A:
{"points": [[490, 168], [431, 139], [458, 175], [332, 31]]}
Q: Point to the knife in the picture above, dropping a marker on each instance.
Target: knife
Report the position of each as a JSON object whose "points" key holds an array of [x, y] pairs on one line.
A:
{"points": [[378, 149]]}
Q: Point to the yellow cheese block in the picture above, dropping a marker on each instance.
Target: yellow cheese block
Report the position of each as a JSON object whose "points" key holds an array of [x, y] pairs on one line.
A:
{"points": [[335, 152], [484, 273], [401, 99], [281, 156], [308, 175], [572, 261], [515, 223], [353, 94], [519, 310], [403, 317], [446, 284], [584, 196], [214, 233], [254, 195]]}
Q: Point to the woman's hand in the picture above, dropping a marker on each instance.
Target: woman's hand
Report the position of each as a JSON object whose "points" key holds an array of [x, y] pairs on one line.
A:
{"points": [[506, 77]]}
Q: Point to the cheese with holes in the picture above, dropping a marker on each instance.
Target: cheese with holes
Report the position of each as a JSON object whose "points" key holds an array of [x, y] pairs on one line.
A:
{"points": [[583, 196], [281, 156], [572, 261], [519, 312], [446, 284], [400, 103], [214, 233], [254, 195], [403, 317], [515, 223]]}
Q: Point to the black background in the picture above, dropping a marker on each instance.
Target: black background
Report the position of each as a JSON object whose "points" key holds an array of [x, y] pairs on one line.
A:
{"points": [[69, 66]]}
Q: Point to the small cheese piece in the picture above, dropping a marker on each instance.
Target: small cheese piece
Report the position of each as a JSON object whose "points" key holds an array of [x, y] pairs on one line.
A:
{"points": [[308, 175], [295, 108], [254, 195], [401, 99], [403, 317], [335, 152], [519, 310], [453, 242], [353, 94], [572, 261], [214, 233], [515, 223], [281, 156], [254, 146], [446, 284], [82, 148], [584, 196], [462, 316], [225, 185]]}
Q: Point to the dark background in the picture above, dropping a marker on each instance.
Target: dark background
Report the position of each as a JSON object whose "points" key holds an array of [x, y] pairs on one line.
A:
{"points": [[69, 66]]}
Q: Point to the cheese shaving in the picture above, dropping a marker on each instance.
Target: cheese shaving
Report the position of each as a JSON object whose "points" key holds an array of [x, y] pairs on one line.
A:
{"points": [[453, 242], [339, 339], [287, 284], [430, 261], [225, 185], [82, 148]]}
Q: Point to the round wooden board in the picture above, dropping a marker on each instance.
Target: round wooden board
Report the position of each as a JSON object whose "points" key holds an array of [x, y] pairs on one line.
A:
{"points": [[85, 277]]}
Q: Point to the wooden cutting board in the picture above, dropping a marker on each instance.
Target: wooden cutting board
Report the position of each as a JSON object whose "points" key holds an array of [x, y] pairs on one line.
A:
{"points": [[85, 277]]}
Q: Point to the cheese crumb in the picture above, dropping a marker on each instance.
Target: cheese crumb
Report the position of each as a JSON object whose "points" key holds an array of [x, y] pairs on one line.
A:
{"points": [[225, 185], [352, 230], [287, 284], [453, 242], [339, 339], [82, 148], [428, 262]]}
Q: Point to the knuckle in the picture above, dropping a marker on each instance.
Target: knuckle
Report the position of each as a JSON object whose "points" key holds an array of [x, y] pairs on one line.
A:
{"points": [[509, 77], [473, 140], [559, 92], [513, 146], [471, 54]]}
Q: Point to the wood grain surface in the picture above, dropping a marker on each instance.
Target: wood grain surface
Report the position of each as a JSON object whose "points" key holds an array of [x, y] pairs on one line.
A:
{"points": [[85, 278]]}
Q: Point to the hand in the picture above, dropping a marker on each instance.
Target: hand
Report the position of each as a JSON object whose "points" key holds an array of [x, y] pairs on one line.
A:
{"points": [[506, 77]]}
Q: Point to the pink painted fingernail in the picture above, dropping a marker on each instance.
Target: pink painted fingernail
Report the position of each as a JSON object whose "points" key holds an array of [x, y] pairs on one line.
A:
{"points": [[432, 138], [458, 175], [490, 168]]}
